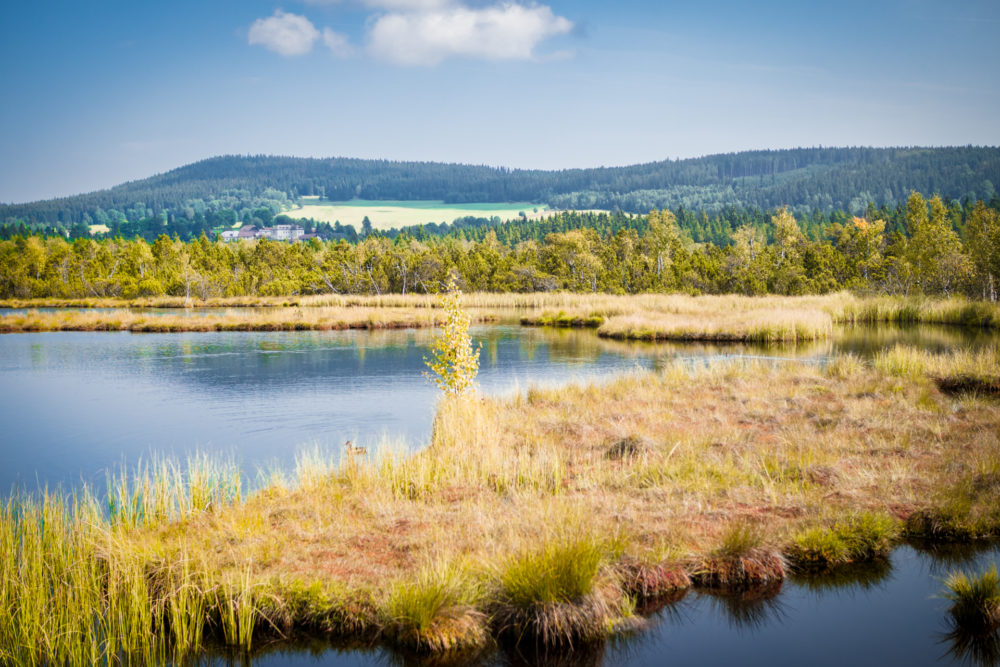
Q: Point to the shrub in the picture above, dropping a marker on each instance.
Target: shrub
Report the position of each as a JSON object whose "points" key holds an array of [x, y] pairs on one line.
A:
{"points": [[454, 361]]}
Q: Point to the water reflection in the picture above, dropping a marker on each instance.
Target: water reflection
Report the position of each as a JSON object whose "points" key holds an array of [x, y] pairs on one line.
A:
{"points": [[845, 578], [749, 609], [867, 340], [977, 649]]}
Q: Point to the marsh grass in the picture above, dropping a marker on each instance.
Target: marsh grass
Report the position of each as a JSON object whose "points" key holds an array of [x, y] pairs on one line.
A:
{"points": [[520, 521], [741, 560], [162, 490], [975, 599], [967, 507], [437, 611], [560, 594], [652, 317], [863, 537], [276, 319], [896, 310]]}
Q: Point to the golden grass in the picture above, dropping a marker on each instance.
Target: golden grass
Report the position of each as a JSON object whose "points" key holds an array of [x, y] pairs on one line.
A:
{"points": [[734, 318], [279, 319], [651, 317], [545, 517]]}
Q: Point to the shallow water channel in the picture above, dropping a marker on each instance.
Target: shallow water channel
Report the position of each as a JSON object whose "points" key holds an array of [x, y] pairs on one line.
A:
{"points": [[74, 404]]}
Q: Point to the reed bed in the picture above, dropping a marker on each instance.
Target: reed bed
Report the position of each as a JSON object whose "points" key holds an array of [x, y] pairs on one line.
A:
{"points": [[954, 311], [281, 319], [763, 326], [652, 317], [542, 518], [733, 318]]}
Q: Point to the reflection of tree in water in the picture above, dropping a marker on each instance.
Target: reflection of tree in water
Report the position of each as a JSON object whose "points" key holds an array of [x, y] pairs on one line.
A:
{"points": [[977, 649], [749, 609], [854, 576]]}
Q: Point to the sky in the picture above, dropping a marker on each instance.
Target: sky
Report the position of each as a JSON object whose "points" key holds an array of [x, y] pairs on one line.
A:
{"points": [[98, 93]]}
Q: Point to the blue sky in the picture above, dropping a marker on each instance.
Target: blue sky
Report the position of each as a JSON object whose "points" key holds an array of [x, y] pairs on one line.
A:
{"points": [[96, 93]]}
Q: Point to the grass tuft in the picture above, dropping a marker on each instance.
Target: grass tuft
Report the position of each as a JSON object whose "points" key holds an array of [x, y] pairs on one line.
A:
{"points": [[975, 599], [860, 538], [437, 612], [558, 595], [742, 560]]}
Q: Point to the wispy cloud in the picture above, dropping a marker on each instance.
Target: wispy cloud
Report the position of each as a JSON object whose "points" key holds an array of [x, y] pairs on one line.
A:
{"points": [[284, 33], [423, 32], [428, 36], [338, 43]]}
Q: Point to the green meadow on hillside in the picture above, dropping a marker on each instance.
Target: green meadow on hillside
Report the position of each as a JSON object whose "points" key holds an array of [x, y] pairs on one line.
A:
{"points": [[386, 214]]}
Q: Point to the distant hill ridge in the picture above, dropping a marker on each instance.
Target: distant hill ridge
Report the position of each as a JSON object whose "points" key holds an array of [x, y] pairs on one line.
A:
{"points": [[805, 179]]}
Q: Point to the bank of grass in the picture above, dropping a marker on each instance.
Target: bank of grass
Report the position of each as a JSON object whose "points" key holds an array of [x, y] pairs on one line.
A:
{"points": [[281, 319], [650, 317], [733, 318], [579, 505]]}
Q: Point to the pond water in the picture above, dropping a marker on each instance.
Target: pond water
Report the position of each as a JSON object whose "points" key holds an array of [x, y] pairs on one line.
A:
{"points": [[74, 403]]}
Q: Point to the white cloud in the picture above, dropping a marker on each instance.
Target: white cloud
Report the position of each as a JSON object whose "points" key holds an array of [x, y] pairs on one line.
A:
{"points": [[409, 5], [406, 5], [338, 43], [504, 32], [287, 34]]}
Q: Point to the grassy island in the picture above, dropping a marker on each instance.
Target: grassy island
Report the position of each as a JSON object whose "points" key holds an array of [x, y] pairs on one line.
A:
{"points": [[549, 518]]}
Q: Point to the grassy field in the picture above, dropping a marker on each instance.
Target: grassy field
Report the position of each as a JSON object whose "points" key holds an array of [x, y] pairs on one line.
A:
{"points": [[389, 214], [580, 505]]}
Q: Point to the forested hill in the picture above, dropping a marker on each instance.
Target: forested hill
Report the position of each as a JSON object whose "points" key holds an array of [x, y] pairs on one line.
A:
{"points": [[806, 179]]}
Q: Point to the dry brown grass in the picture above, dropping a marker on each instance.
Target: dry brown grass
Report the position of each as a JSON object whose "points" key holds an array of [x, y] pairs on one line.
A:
{"points": [[734, 464], [653, 317], [279, 319]]}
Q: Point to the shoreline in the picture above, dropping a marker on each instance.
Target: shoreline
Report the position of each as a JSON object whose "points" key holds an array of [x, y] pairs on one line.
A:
{"points": [[648, 317], [582, 505]]}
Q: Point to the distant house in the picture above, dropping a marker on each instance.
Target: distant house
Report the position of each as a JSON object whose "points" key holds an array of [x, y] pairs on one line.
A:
{"points": [[247, 232], [282, 233], [276, 233]]}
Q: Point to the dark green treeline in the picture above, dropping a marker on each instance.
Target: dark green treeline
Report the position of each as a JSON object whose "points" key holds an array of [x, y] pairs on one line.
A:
{"points": [[926, 246]]}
